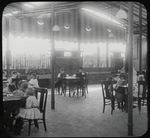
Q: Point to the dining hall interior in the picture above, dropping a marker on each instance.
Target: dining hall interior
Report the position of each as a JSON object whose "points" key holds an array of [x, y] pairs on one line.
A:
{"points": [[84, 64]]}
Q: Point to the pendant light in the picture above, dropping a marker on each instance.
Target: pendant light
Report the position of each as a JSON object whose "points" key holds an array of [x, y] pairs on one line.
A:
{"points": [[56, 27], [110, 31], [121, 14]]}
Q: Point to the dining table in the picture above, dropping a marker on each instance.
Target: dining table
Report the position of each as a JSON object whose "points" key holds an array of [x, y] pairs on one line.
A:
{"points": [[71, 80], [10, 103]]}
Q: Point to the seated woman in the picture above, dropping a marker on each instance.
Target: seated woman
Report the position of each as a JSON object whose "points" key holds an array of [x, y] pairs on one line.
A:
{"points": [[59, 79], [33, 82]]}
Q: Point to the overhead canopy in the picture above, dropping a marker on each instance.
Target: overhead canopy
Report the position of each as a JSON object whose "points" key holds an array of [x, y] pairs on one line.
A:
{"points": [[67, 16]]}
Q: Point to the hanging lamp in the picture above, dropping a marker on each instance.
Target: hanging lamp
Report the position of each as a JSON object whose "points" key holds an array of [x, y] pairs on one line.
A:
{"points": [[110, 31], [121, 14], [56, 28]]}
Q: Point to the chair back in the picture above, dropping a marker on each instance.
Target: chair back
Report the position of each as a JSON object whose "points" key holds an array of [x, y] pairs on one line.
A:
{"points": [[42, 98], [105, 84], [142, 83]]}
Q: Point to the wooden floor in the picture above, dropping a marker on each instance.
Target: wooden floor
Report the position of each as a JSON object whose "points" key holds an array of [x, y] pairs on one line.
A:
{"points": [[83, 117]]}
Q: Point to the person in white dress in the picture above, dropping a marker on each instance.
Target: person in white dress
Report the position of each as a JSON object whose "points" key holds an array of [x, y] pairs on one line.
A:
{"points": [[31, 110], [33, 82]]}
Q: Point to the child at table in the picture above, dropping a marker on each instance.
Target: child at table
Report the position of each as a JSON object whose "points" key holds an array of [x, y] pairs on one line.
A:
{"points": [[31, 110], [21, 91], [79, 73], [33, 82], [59, 79]]}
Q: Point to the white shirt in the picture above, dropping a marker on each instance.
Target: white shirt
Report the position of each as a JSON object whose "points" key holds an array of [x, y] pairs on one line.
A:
{"points": [[33, 82]]}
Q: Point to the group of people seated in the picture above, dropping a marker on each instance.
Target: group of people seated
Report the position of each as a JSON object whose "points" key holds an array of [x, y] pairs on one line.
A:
{"points": [[14, 82], [62, 74], [26, 92], [119, 86]]}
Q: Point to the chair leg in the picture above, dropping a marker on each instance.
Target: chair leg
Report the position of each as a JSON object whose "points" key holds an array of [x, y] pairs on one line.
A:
{"points": [[104, 106], [77, 92], [64, 90], [29, 126], [87, 89], [85, 92], [44, 123], [36, 123], [122, 106], [112, 105], [139, 106]]}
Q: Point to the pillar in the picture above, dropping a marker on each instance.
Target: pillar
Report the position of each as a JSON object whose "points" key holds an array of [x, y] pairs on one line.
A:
{"points": [[140, 38], [130, 70], [78, 27], [52, 58]]}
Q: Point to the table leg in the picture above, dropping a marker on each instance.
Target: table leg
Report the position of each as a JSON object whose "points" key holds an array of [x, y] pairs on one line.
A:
{"points": [[69, 89], [127, 103]]}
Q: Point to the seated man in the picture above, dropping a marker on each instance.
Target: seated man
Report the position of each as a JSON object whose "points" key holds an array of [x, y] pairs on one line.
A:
{"points": [[60, 78]]}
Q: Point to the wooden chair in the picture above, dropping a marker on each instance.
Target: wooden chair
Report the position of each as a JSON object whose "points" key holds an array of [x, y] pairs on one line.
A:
{"points": [[141, 97], [41, 95], [108, 98]]}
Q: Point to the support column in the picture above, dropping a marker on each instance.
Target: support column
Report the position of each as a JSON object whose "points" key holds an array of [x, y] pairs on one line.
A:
{"points": [[8, 53], [98, 56], [126, 52], [52, 58], [107, 43], [140, 38], [130, 70], [78, 35]]}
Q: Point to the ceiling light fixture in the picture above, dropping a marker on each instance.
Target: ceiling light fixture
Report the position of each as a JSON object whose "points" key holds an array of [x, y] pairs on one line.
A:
{"points": [[121, 14], [88, 29], [66, 27], [40, 23], [56, 28], [111, 34]]}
